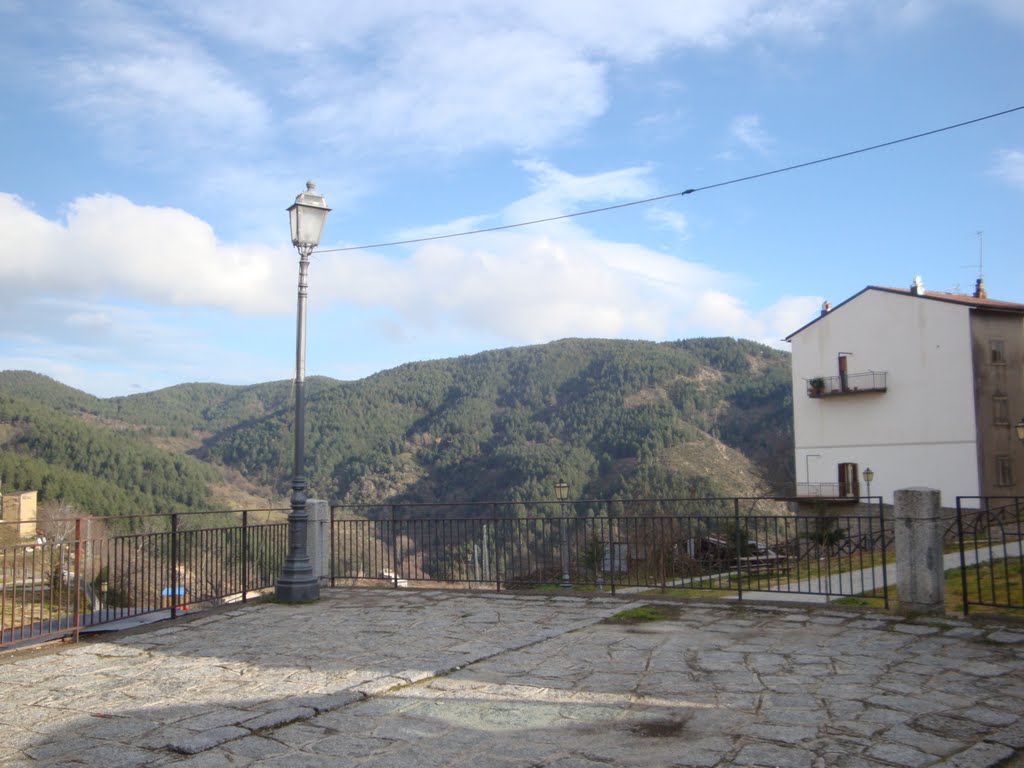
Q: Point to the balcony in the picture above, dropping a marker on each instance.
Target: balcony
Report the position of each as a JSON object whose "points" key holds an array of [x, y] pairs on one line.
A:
{"points": [[851, 384], [825, 491]]}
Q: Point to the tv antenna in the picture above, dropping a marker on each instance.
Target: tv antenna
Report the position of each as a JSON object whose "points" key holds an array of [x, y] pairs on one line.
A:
{"points": [[980, 265], [981, 255], [980, 284]]}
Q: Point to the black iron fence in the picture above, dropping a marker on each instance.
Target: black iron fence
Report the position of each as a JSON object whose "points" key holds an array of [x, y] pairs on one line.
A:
{"points": [[86, 572], [728, 546], [77, 573], [990, 534]]}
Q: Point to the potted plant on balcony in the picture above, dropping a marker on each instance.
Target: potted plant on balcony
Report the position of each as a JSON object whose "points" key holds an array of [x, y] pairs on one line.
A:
{"points": [[816, 386]]}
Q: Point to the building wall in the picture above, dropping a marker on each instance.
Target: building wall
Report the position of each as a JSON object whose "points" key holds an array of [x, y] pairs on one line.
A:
{"points": [[995, 381], [921, 432], [19, 510]]}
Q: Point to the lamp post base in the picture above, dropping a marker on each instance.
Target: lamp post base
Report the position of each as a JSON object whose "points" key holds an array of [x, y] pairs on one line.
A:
{"points": [[297, 584]]}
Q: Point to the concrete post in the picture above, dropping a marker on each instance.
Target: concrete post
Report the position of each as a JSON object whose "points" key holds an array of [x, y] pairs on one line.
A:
{"points": [[318, 532], [921, 585]]}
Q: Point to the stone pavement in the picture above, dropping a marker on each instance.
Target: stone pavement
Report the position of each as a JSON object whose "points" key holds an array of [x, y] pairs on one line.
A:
{"points": [[433, 678]]}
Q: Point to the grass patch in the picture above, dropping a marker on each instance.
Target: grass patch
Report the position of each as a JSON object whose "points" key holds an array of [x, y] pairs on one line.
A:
{"points": [[688, 592], [999, 582], [868, 601], [556, 588], [644, 613]]}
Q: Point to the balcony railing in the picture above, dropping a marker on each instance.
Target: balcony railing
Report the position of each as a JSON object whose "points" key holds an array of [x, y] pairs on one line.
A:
{"points": [[824, 491], [851, 384]]}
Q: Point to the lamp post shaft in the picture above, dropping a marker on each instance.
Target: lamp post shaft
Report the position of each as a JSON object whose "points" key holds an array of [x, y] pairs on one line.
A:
{"points": [[563, 530], [297, 582], [562, 493], [299, 473]]}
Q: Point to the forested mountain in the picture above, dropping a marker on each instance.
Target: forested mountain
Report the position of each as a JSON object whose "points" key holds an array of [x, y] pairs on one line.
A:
{"points": [[96, 468], [611, 418]]}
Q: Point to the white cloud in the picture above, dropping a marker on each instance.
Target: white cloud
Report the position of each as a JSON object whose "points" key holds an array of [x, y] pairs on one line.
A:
{"points": [[719, 312], [1012, 10], [523, 285], [747, 130], [454, 90], [914, 12], [464, 224], [442, 77], [467, 74], [788, 314], [89, 320], [109, 246], [671, 220], [537, 284], [139, 82], [607, 27], [1010, 166], [516, 286], [557, 192], [531, 284]]}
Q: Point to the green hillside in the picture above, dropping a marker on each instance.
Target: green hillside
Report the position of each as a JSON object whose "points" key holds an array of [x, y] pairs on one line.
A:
{"points": [[506, 424], [97, 468], [42, 390], [611, 418]]}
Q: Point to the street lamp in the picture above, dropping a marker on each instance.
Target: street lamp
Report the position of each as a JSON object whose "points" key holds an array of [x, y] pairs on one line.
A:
{"points": [[562, 493], [1020, 430], [868, 477], [297, 582]]}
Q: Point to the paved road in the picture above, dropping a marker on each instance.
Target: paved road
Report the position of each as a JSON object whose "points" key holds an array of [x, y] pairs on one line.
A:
{"points": [[396, 678]]}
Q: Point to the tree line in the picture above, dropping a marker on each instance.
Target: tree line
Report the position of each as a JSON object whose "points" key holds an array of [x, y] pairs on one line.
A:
{"points": [[609, 417]]}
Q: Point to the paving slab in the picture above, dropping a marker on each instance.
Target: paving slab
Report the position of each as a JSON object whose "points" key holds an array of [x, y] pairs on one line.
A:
{"points": [[449, 678]]}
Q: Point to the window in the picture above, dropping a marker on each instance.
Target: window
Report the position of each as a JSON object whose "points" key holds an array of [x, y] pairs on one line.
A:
{"points": [[1004, 471], [1000, 409], [848, 480], [997, 352]]}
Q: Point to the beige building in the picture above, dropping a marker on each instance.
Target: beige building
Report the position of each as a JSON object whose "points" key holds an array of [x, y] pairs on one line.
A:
{"points": [[18, 512]]}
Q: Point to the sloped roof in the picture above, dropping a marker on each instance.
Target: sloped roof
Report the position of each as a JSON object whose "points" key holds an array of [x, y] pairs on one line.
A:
{"points": [[964, 299]]}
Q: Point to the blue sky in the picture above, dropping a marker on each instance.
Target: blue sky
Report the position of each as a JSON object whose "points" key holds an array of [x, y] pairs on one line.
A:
{"points": [[150, 150]]}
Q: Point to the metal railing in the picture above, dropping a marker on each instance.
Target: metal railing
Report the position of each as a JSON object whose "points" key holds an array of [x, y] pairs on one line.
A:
{"points": [[990, 534], [825, 491], [721, 545], [851, 384], [90, 572], [86, 573], [81, 574]]}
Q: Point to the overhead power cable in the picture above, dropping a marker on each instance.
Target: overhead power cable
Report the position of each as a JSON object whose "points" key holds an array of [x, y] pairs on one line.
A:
{"points": [[685, 192]]}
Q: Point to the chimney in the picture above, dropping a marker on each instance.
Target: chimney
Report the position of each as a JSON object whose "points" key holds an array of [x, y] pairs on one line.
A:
{"points": [[826, 307], [917, 289], [979, 289]]}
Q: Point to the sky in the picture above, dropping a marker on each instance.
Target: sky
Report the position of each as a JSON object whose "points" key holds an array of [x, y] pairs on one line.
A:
{"points": [[150, 150]]}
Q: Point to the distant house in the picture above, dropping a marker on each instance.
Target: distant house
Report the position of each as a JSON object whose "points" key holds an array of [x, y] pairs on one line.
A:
{"points": [[923, 388], [18, 512]]}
